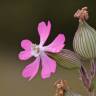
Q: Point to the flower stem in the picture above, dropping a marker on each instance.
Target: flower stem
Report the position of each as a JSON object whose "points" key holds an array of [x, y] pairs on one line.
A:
{"points": [[91, 93]]}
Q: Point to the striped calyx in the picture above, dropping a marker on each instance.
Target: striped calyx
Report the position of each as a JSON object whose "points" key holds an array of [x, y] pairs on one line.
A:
{"points": [[84, 42], [67, 59]]}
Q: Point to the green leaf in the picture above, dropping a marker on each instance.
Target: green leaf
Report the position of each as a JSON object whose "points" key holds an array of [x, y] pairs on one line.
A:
{"points": [[67, 59]]}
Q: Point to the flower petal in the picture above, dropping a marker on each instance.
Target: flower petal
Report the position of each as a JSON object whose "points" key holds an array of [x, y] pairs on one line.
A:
{"points": [[57, 45], [24, 55], [48, 66], [31, 70], [44, 31], [26, 44]]}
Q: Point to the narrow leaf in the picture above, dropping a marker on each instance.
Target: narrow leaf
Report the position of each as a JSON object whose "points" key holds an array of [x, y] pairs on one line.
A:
{"points": [[85, 77]]}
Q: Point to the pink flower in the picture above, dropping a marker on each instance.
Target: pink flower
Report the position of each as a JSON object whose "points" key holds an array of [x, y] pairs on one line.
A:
{"points": [[39, 51]]}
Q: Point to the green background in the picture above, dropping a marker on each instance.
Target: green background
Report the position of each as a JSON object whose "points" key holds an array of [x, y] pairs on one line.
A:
{"points": [[18, 20]]}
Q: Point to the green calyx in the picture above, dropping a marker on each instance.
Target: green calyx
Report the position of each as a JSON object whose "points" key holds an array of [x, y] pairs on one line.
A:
{"points": [[84, 42]]}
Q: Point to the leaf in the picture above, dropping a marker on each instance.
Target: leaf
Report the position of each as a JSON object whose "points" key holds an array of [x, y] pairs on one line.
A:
{"points": [[85, 77], [90, 65], [67, 59]]}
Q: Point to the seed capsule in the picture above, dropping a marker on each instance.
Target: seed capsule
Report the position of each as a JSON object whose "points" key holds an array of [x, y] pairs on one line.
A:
{"points": [[84, 42]]}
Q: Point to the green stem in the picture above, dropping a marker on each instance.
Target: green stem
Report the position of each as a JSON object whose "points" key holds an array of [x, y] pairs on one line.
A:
{"points": [[91, 93]]}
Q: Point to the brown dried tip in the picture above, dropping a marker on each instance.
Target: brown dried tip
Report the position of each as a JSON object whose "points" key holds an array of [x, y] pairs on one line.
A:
{"points": [[82, 14], [61, 87]]}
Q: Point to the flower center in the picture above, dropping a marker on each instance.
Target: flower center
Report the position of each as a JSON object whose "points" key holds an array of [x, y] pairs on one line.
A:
{"points": [[36, 50]]}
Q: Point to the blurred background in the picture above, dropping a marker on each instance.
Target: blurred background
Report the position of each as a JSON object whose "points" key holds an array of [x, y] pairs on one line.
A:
{"points": [[18, 20]]}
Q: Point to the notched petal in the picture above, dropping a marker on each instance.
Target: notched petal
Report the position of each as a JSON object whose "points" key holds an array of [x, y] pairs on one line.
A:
{"points": [[31, 70], [44, 31], [48, 66], [24, 55], [57, 44], [26, 44]]}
